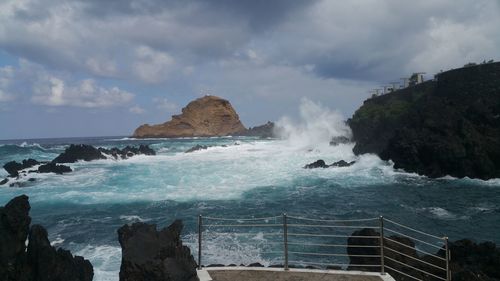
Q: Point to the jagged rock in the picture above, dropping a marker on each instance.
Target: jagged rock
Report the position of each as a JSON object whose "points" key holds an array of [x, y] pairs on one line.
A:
{"points": [[14, 167], [40, 262], [54, 168], [149, 254], [342, 163], [14, 227], [77, 152], [49, 264], [128, 151], [196, 147], [263, 131], [339, 140], [318, 164], [203, 117], [321, 164]]}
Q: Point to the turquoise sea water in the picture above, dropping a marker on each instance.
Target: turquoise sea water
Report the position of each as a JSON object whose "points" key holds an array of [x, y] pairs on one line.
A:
{"points": [[235, 177]]}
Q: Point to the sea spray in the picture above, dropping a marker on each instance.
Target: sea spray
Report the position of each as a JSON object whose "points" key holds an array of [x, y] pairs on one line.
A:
{"points": [[316, 127]]}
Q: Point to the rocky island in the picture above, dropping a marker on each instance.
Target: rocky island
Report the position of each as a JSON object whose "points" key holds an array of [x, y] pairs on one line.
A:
{"points": [[446, 126], [204, 117]]}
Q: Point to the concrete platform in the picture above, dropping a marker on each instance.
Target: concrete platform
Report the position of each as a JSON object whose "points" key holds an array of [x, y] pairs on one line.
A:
{"points": [[278, 274]]}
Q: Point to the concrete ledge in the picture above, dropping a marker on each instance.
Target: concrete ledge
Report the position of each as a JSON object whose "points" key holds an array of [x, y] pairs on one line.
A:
{"points": [[239, 273]]}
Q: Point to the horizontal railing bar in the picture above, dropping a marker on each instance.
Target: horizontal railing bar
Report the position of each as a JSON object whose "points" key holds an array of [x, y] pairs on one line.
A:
{"points": [[246, 219], [309, 219], [412, 229], [405, 274], [409, 247], [412, 267], [332, 235], [332, 226], [414, 258], [247, 233], [336, 264], [408, 236], [330, 245], [243, 225], [333, 255]]}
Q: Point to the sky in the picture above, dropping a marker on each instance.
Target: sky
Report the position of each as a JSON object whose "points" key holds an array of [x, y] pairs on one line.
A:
{"points": [[72, 68]]}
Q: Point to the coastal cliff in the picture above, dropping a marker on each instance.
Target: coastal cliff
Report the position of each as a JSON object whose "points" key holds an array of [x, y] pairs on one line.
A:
{"points": [[447, 126], [204, 117]]}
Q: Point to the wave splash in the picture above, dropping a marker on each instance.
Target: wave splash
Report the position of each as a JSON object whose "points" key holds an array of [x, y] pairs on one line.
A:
{"points": [[316, 127]]}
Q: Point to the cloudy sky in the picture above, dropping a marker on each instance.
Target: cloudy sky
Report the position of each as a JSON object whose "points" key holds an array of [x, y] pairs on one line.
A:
{"points": [[96, 68]]}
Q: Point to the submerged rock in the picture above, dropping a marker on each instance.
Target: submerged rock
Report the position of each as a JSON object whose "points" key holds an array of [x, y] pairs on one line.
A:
{"points": [[128, 151], [196, 147], [4, 181], [39, 261], [149, 254], [339, 140], [54, 168], [342, 163]]}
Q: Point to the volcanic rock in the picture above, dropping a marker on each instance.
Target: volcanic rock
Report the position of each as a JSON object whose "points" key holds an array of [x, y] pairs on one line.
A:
{"points": [[342, 163], [14, 167], [446, 126], [128, 151], [4, 181], [339, 140], [54, 168], [203, 117], [149, 254], [77, 152], [263, 131], [196, 147], [40, 261], [318, 164]]}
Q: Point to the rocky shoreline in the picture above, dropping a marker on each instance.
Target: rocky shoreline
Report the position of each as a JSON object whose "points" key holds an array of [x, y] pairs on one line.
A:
{"points": [[72, 154], [159, 255]]}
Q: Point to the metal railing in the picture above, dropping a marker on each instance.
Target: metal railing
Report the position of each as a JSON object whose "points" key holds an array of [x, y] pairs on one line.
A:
{"points": [[330, 243]]}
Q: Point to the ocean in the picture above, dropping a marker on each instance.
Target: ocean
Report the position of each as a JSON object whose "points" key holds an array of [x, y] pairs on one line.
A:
{"points": [[236, 177]]}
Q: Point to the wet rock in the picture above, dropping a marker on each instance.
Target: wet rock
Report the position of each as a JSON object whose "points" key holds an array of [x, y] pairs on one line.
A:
{"points": [[196, 147], [48, 264], [318, 164], [76, 152], [339, 140], [128, 151], [151, 254], [54, 168], [4, 181], [342, 163], [255, 264], [14, 167], [14, 227]]}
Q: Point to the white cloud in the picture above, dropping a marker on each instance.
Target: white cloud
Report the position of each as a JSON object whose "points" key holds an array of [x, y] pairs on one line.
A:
{"points": [[152, 66], [165, 105], [136, 109]]}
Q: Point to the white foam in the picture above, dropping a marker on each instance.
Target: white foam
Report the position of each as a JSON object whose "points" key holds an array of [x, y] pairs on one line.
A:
{"points": [[105, 259]]}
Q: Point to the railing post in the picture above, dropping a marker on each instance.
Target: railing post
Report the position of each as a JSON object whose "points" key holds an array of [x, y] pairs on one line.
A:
{"points": [[382, 265], [199, 240], [448, 273], [285, 240]]}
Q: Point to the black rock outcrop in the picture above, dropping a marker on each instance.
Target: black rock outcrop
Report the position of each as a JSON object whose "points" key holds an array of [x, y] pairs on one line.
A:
{"points": [[54, 168], [128, 151], [39, 261], [76, 152], [14, 167], [447, 126], [321, 164], [149, 254]]}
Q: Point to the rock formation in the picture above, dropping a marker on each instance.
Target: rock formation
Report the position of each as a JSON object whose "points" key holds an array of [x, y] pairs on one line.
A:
{"points": [[38, 261], [448, 126], [263, 131], [149, 254], [321, 164], [72, 154], [203, 117]]}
